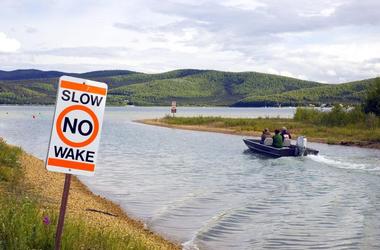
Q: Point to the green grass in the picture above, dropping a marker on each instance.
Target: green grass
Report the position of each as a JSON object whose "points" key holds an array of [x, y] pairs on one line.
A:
{"points": [[21, 217], [10, 172], [22, 227], [332, 127]]}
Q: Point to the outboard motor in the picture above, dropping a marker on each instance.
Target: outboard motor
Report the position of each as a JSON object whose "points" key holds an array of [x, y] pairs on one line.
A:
{"points": [[301, 146]]}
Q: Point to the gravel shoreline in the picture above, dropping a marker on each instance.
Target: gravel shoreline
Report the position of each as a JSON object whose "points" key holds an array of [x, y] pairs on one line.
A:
{"points": [[83, 204]]}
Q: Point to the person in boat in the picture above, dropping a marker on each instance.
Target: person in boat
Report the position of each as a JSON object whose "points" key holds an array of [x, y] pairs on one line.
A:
{"points": [[285, 134], [277, 139], [266, 134]]}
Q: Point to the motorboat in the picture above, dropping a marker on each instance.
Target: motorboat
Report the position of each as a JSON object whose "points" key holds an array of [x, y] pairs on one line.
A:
{"points": [[266, 148]]}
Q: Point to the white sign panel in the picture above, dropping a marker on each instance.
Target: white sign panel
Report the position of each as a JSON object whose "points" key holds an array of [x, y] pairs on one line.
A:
{"points": [[77, 124]]}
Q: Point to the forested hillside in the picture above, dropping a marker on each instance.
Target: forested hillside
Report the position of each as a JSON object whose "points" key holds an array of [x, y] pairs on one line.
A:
{"points": [[347, 93], [187, 87]]}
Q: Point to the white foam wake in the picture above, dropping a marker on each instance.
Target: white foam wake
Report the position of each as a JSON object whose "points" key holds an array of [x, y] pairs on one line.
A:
{"points": [[346, 164], [190, 245]]}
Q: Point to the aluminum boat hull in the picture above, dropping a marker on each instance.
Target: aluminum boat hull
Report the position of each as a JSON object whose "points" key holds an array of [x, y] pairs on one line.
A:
{"points": [[256, 146]]}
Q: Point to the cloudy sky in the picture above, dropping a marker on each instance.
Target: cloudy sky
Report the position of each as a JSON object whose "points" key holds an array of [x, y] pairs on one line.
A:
{"points": [[326, 40]]}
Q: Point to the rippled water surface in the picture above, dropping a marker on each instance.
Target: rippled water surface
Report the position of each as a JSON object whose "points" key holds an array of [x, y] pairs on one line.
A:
{"points": [[207, 191]]}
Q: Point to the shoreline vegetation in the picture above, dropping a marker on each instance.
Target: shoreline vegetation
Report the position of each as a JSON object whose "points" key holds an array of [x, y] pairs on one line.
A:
{"points": [[30, 198], [340, 126]]}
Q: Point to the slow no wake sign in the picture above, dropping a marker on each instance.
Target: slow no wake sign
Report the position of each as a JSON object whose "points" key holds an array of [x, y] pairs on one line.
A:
{"points": [[77, 124]]}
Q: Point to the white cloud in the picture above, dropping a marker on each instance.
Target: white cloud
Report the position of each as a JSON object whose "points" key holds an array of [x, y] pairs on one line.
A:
{"points": [[331, 72], [327, 12], [306, 39], [8, 44], [243, 4]]}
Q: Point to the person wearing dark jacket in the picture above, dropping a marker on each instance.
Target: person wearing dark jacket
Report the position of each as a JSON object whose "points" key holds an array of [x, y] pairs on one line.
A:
{"points": [[266, 134], [285, 134], [277, 139]]}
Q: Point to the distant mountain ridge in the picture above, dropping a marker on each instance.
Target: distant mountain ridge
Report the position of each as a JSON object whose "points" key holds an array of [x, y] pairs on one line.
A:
{"points": [[187, 86], [22, 74]]}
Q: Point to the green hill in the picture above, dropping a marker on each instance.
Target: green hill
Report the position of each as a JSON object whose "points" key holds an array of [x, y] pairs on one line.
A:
{"points": [[205, 87], [346, 93], [187, 87]]}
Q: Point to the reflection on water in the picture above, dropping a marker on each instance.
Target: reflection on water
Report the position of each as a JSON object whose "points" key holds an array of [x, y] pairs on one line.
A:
{"points": [[207, 191]]}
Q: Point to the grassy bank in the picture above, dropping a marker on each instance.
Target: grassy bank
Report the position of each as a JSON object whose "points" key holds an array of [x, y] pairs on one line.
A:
{"points": [[335, 127], [29, 201]]}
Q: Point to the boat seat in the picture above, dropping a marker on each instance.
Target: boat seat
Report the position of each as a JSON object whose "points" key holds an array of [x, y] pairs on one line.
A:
{"points": [[286, 143], [268, 141]]}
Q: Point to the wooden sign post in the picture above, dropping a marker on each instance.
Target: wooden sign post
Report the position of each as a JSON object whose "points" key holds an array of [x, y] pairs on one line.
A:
{"points": [[75, 135]]}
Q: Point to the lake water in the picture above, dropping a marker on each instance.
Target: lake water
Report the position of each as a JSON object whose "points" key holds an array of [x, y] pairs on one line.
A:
{"points": [[207, 191]]}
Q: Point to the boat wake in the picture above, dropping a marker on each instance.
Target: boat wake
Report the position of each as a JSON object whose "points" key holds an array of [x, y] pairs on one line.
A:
{"points": [[190, 245], [343, 163]]}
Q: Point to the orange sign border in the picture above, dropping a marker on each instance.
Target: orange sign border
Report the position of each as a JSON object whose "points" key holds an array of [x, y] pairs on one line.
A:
{"points": [[83, 87], [71, 164], [62, 136]]}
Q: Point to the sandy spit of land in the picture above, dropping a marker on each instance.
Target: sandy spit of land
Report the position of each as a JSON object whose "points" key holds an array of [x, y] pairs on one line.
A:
{"points": [[83, 204], [158, 122]]}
